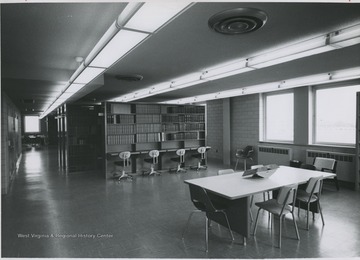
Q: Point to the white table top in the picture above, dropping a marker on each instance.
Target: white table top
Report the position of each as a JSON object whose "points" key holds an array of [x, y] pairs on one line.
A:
{"points": [[234, 186]]}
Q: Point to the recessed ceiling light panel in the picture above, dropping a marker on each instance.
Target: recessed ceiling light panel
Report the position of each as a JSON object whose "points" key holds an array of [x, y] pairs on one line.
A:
{"points": [[238, 21]]}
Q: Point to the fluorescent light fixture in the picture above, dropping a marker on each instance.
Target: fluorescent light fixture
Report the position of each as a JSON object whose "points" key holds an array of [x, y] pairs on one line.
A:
{"points": [[226, 70], [143, 93], [73, 88], [119, 45], [64, 96], [88, 74], [346, 74], [130, 9], [305, 81], [153, 15], [187, 80], [295, 51], [321, 78], [346, 37]]}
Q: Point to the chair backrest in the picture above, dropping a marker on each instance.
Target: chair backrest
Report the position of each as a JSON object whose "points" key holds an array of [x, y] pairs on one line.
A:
{"points": [[154, 154], [202, 151], [225, 171], [200, 198], [181, 154], [124, 155], [323, 164], [247, 152], [314, 185], [287, 195]]}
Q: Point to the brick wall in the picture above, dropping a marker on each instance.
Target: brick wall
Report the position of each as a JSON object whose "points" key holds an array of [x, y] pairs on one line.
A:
{"points": [[214, 112]]}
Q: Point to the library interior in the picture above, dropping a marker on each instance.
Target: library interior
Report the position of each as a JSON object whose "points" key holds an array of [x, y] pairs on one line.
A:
{"points": [[180, 129]]}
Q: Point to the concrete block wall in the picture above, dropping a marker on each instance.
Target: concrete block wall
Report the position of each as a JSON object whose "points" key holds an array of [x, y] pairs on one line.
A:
{"points": [[244, 124], [214, 112]]}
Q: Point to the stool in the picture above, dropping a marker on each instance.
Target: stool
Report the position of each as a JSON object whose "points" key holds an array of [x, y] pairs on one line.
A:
{"points": [[154, 154], [180, 160], [125, 162], [201, 155]]}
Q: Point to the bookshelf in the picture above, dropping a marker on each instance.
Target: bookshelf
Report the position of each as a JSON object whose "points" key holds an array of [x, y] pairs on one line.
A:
{"points": [[139, 128], [357, 171]]}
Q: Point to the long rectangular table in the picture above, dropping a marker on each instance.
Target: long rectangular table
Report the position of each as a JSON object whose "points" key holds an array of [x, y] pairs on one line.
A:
{"points": [[234, 190]]}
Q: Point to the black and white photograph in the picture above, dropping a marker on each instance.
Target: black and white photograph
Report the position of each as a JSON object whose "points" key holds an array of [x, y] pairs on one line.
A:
{"points": [[180, 130]]}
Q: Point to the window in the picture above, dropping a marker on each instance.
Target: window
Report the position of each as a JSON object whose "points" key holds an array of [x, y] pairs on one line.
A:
{"points": [[279, 117], [335, 115], [32, 124]]}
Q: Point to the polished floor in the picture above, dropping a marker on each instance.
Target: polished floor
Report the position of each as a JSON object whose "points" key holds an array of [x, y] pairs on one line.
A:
{"points": [[50, 214]]}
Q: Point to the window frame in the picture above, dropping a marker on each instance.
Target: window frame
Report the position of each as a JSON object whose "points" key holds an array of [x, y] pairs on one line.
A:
{"points": [[264, 117], [313, 114]]}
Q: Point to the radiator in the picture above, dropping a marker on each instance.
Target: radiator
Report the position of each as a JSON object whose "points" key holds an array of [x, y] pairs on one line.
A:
{"points": [[345, 168], [277, 155]]}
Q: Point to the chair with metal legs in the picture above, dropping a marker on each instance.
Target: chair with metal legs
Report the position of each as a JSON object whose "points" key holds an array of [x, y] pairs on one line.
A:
{"points": [[327, 165], [284, 204], [311, 195], [202, 202], [154, 160], [180, 160], [124, 162], [201, 156], [246, 153]]}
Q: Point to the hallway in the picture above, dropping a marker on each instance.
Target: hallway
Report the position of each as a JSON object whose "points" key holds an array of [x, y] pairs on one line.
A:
{"points": [[50, 214]]}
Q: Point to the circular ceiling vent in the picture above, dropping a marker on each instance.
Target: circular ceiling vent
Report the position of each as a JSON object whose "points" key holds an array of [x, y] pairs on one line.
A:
{"points": [[133, 77], [237, 21]]}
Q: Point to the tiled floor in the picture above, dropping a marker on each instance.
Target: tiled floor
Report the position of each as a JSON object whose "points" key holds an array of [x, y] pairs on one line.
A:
{"points": [[49, 214]]}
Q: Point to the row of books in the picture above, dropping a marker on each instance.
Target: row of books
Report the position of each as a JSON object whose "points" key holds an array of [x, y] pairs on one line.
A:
{"points": [[185, 109], [118, 129], [120, 119], [148, 128], [150, 137], [183, 118], [183, 127], [120, 139], [122, 108], [195, 118], [148, 118], [181, 136], [148, 109], [151, 118]]}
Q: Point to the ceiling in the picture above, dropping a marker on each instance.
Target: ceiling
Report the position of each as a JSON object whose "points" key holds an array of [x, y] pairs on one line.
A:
{"points": [[41, 40]]}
